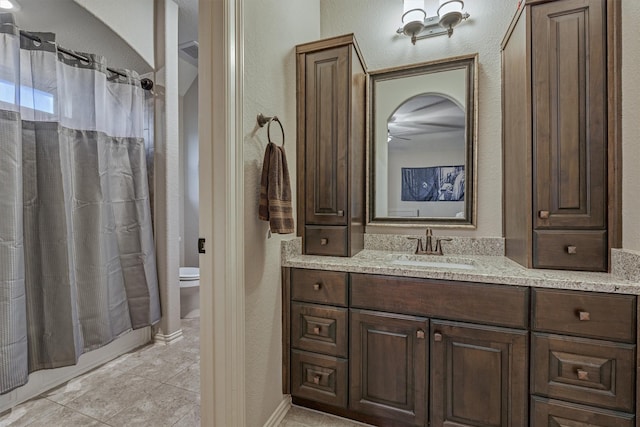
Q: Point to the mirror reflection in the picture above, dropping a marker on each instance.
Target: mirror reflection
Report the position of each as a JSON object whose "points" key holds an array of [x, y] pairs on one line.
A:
{"points": [[422, 143]]}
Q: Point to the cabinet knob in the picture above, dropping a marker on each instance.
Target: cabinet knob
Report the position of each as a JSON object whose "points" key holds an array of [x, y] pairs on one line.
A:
{"points": [[340, 213], [316, 379], [317, 286], [316, 330], [572, 250], [420, 334], [437, 337], [583, 375], [324, 241], [584, 316], [543, 214]]}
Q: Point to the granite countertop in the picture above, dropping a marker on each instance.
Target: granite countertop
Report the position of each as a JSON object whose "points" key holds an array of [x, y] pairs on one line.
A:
{"points": [[468, 268]]}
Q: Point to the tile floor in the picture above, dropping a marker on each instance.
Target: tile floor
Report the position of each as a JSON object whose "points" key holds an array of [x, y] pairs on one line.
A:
{"points": [[156, 385], [153, 386]]}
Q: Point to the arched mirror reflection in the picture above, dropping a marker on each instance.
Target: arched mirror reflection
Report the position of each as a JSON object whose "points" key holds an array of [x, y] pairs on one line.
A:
{"points": [[422, 144]]}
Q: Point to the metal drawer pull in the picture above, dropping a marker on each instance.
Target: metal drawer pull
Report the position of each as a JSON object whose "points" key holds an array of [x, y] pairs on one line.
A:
{"points": [[316, 379], [437, 337], [324, 241], [316, 330], [583, 375], [572, 250], [340, 213], [317, 286], [584, 316], [543, 214], [420, 334]]}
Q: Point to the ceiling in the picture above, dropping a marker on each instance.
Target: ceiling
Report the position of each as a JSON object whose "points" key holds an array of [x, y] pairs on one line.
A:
{"points": [[79, 30], [424, 115]]}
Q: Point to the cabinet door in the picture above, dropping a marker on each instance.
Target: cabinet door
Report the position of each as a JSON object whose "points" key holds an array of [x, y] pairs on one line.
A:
{"points": [[388, 366], [569, 114], [327, 112], [555, 413], [478, 375]]}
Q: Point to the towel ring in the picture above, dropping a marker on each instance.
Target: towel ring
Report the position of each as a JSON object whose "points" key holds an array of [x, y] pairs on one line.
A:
{"points": [[275, 119]]}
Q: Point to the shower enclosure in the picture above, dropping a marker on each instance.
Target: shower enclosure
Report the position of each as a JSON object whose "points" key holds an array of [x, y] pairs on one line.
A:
{"points": [[77, 257]]}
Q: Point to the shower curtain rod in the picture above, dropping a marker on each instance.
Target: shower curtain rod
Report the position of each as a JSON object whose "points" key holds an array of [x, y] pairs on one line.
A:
{"points": [[147, 84]]}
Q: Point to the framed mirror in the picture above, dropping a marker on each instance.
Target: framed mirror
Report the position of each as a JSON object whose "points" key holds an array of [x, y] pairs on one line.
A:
{"points": [[422, 149]]}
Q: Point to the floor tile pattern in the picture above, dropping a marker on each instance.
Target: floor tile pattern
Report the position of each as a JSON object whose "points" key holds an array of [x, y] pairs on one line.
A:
{"points": [[153, 386]]}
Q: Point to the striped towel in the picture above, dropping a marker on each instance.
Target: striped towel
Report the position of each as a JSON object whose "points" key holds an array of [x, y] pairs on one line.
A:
{"points": [[275, 191]]}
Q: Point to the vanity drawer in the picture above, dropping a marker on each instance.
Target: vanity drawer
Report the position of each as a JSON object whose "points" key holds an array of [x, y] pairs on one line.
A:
{"points": [[461, 301], [585, 371], [319, 329], [587, 314], [319, 378], [325, 287], [325, 240], [546, 412], [586, 250]]}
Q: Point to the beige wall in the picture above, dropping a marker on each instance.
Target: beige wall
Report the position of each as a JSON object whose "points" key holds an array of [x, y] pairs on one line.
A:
{"points": [[374, 23], [630, 125], [272, 29], [489, 20]]}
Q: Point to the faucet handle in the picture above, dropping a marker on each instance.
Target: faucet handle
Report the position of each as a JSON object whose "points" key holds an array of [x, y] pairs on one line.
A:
{"points": [[438, 250], [419, 247]]}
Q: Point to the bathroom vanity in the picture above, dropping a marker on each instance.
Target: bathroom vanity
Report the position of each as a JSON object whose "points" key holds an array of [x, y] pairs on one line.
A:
{"points": [[383, 339]]}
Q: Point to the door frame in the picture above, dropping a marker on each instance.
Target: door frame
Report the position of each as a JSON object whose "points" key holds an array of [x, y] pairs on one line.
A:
{"points": [[222, 307]]}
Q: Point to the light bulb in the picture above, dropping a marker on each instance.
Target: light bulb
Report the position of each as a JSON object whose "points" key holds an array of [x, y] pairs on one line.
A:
{"points": [[6, 4], [413, 11]]}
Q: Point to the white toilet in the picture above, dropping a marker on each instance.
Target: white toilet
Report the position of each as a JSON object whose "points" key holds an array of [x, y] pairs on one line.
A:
{"points": [[189, 292]]}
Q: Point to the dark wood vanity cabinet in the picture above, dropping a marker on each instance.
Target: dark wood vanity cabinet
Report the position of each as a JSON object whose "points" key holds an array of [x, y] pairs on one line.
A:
{"points": [[559, 135], [331, 146], [478, 375], [388, 364]]}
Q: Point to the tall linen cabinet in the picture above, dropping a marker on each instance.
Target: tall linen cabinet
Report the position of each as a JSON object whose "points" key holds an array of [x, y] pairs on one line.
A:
{"points": [[331, 84], [561, 182]]}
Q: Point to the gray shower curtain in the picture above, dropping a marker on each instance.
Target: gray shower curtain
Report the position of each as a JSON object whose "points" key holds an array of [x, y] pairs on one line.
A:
{"points": [[77, 261]]}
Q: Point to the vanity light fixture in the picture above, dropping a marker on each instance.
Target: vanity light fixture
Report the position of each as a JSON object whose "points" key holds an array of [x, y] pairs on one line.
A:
{"points": [[417, 25], [9, 5]]}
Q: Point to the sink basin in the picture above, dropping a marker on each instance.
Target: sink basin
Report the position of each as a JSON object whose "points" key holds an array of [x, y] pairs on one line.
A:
{"points": [[443, 263]]}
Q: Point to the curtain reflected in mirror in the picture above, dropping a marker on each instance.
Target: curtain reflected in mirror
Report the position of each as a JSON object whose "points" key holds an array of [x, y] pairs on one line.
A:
{"points": [[422, 144]]}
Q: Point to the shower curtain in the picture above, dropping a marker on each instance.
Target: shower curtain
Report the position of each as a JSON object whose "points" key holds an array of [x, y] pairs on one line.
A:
{"points": [[77, 261]]}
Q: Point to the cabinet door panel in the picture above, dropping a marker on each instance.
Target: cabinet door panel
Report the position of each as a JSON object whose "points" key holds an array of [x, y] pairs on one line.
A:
{"points": [[555, 413], [388, 363], [569, 114], [327, 101], [478, 374]]}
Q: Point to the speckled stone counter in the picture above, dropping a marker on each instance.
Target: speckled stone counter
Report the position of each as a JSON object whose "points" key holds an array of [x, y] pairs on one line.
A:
{"points": [[472, 268]]}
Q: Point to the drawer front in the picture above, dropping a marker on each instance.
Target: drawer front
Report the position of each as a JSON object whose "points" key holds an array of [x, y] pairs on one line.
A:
{"points": [[587, 314], [585, 371], [325, 241], [554, 413], [319, 378], [319, 329], [462, 301], [325, 287], [570, 250]]}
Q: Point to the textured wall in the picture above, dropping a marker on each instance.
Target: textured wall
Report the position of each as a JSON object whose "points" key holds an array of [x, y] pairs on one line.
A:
{"points": [[630, 125], [374, 23], [272, 29]]}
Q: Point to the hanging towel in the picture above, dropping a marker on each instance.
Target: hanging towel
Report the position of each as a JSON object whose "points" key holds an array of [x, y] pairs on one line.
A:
{"points": [[275, 191]]}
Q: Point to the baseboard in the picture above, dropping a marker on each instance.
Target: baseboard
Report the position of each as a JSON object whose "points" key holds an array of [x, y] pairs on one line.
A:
{"points": [[168, 339], [281, 411], [44, 380]]}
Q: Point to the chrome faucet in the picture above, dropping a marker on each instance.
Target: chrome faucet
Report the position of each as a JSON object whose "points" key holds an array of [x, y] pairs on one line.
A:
{"points": [[428, 249]]}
